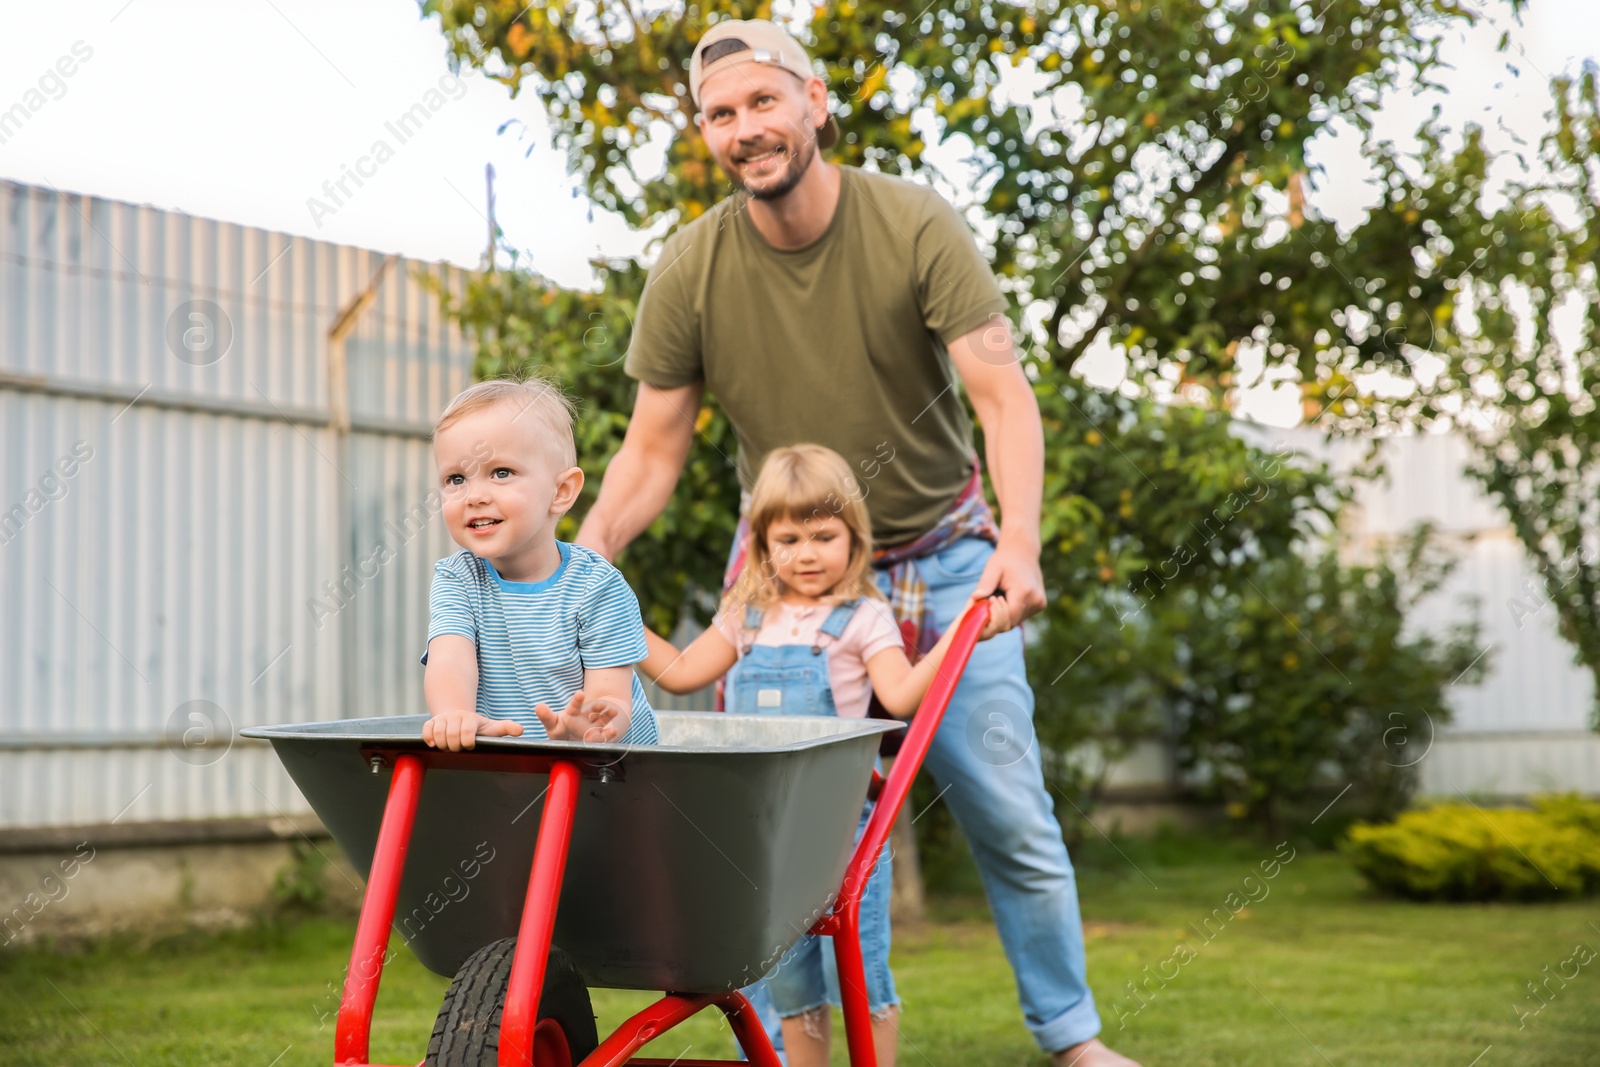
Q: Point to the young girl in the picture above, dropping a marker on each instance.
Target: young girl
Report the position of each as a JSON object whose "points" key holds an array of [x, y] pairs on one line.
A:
{"points": [[806, 631]]}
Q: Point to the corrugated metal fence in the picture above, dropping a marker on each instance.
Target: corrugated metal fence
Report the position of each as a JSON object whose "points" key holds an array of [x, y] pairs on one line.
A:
{"points": [[1525, 728], [208, 518], [216, 510]]}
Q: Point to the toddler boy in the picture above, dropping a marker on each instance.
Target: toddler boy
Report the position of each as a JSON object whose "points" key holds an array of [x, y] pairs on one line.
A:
{"points": [[521, 623]]}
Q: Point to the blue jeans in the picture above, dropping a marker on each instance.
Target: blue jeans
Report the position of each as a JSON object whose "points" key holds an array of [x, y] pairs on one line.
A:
{"points": [[986, 759], [807, 976]]}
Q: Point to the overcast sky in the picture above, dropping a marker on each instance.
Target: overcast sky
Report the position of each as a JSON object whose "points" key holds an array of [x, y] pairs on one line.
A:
{"points": [[244, 111]]}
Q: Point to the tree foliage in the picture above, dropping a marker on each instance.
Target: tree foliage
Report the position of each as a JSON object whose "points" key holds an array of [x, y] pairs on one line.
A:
{"points": [[1148, 504], [1146, 189], [1305, 675], [1493, 364], [1197, 595], [1149, 183]]}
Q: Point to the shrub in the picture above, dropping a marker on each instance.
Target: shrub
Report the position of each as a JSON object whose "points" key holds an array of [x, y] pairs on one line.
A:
{"points": [[1297, 671], [1463, 852]]}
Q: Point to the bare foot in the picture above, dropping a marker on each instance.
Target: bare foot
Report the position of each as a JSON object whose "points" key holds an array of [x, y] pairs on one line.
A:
{"points": [[1091, 1053]]}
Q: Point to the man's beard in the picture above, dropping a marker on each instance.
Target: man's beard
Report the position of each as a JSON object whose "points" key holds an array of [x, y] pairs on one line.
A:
{"points": [[791, 174]]}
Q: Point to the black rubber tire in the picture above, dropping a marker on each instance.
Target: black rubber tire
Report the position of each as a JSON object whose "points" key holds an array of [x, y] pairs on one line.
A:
{"points": [[467, 1031]]}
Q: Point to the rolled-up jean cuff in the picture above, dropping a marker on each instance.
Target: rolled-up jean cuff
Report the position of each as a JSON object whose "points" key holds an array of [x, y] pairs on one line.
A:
{"points": [[823, 1003], [1076, 1024], [879, 1011]]}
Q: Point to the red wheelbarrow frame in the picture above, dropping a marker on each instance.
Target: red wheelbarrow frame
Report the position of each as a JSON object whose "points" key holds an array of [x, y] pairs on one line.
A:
{"points": [[522, 1039]]}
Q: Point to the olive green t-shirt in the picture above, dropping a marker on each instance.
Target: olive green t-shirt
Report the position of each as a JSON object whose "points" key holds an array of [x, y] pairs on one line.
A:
{"points": [[841, 343]]}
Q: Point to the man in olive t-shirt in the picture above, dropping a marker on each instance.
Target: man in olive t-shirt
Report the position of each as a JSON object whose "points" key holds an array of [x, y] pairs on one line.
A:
{"points": [[828, 304], [850, 333]]}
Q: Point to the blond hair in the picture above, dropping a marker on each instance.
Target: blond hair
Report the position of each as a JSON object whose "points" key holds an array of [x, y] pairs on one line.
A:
{"points": [[804, 484], [531, 394]]}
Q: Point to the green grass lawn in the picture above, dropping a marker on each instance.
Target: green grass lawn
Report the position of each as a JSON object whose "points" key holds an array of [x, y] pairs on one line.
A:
{"points": [[1316, 971]]}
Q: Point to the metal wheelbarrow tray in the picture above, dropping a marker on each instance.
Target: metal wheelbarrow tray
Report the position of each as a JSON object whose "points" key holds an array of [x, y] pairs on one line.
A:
{"points": [[693, 864], [687, 867]]}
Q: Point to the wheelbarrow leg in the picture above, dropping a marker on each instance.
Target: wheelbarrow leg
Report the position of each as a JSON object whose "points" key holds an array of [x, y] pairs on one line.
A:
{"points": [[521, 1010], [351, 1038], [846, 931], [650, 1023], [748, 1030]]}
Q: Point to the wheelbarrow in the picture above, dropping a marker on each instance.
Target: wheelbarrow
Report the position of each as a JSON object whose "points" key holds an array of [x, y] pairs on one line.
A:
{"points": [[688, 867]]}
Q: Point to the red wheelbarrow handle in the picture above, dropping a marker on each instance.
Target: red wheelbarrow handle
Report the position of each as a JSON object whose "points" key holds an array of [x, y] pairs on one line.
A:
{"points": [[844, 921], [919, 737]]}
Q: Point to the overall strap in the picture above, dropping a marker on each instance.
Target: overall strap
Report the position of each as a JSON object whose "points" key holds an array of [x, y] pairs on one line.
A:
{"points": [[836, 622], [753, 617]]}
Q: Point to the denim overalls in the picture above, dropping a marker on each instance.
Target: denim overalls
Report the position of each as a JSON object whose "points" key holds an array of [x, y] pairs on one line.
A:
{"points": [[785, 679], [794, 680]]}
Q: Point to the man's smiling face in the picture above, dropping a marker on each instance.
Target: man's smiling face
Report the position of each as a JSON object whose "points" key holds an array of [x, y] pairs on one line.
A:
{"points": [[760, 123]]}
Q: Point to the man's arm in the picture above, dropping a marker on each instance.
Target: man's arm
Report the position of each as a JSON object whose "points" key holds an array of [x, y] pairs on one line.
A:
{"points": [[1005, 405], [645, 470]]}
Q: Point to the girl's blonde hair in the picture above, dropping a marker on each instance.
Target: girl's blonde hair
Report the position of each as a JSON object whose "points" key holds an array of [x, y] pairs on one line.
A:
{"points": [[804, 484]]}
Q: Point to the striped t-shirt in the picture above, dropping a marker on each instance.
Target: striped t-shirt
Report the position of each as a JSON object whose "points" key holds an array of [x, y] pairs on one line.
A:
{"points": [[535, 638]]}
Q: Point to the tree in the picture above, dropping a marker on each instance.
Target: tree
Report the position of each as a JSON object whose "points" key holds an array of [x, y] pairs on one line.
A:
{"points": [[1492, 364], [1155, 506], [1147, 191], [1151, 184]]}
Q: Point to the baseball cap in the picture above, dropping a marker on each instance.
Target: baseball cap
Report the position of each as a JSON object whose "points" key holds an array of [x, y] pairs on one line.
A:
{"points": [[735, 41]]}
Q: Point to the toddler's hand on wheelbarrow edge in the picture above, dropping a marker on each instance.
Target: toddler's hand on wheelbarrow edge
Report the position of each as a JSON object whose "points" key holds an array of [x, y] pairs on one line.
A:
{"points": [[592, 719], [456, 730]]}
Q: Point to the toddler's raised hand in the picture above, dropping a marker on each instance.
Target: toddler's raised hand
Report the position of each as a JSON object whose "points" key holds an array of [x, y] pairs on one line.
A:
{"points": [[596, 719]]}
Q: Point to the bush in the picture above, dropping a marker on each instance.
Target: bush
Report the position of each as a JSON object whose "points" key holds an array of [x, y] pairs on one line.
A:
{"points": [[1461, 852], [1301, 672]]}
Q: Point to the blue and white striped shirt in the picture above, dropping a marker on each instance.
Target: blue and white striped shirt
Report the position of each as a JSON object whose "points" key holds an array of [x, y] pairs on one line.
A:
{"points": [[535, 638]]}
